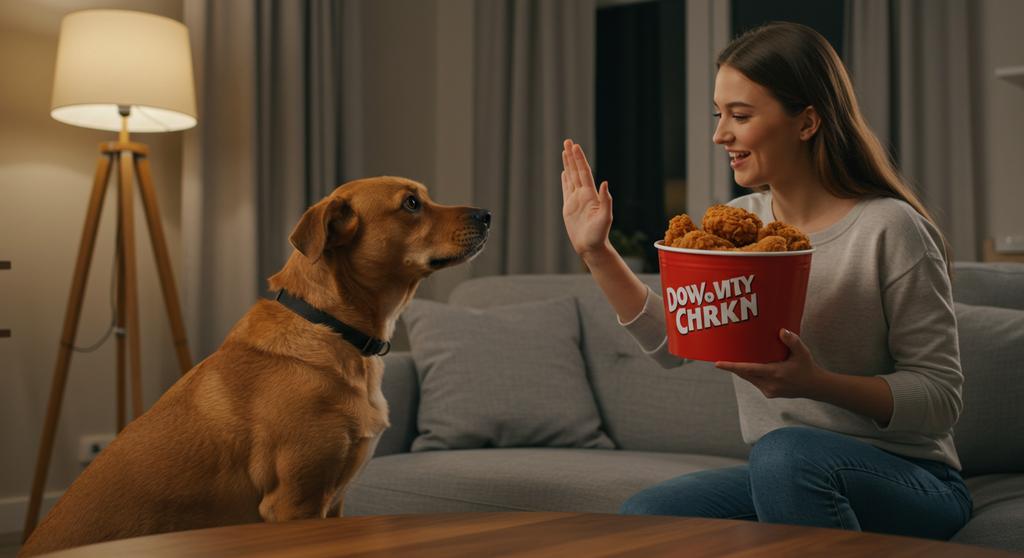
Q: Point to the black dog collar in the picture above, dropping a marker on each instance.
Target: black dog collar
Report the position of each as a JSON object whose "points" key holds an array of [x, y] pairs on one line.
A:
{"points": [[367, 345]]}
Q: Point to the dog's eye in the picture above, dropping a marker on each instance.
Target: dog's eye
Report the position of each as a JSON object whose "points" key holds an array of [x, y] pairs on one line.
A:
{"points": [[411, 203]]}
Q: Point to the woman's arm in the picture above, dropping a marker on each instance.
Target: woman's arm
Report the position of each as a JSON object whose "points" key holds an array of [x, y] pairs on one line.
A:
{"points": [[623, 289], [801, 376], [927, 381], [923, 393], [587, 212], [865, 395]]}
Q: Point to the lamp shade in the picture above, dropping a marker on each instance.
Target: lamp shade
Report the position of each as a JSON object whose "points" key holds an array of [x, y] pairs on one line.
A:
{"points": [[107, 58]]}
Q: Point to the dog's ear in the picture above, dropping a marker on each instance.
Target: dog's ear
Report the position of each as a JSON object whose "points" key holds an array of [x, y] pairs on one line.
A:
{"points": [[326, 225]]}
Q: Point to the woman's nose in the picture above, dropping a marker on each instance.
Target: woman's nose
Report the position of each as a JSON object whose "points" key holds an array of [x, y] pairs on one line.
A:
{"points": [[721, 135]]}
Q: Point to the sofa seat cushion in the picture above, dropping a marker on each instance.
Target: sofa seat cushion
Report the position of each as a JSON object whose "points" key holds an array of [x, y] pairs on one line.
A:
{"points": [[514, 479], [998, 518]]}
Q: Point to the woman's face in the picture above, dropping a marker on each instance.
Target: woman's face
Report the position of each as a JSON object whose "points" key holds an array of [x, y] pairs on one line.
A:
{"points": [[763, 141]]}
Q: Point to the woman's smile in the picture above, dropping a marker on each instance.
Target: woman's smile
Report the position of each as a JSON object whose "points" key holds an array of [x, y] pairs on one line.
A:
{"points": [[737, 158]]}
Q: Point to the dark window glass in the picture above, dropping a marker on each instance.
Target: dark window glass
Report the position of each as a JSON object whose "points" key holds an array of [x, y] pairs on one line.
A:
{"points": [[641, 108]]}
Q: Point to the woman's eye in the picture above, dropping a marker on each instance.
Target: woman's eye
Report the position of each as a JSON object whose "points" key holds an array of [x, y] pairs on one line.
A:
{"points": [[739, 117], [411, 203]]}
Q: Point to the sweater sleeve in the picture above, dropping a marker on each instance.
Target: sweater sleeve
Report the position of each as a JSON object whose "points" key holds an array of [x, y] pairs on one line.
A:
{"points": [[648, 328], [927, 382]]}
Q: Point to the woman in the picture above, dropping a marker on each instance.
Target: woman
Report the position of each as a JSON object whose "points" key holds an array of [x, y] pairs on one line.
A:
{"points": [[854, 429]]}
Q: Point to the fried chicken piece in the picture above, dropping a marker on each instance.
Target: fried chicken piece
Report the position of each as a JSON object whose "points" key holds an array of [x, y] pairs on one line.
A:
{"points": [[795, 240], [735, 224], [700, 240], [678, 227], [766, 244]]}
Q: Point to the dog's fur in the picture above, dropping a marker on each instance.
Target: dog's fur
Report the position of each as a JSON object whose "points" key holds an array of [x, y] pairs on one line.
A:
{"points": [[275, 423]]}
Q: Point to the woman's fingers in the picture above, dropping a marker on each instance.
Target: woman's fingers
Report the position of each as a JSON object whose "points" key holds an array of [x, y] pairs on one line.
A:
{"points": [[575, 161], [582, 167], [745, 369], [569, 183], [577, 179], [566, 149], [567, 168], [569, 162]]}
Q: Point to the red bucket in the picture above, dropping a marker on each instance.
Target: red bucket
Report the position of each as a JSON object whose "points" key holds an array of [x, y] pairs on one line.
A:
{"points": [[731, 305]]}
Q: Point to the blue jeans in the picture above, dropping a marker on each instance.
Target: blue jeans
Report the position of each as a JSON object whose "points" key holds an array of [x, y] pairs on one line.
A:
{"points": [[808, 476]]}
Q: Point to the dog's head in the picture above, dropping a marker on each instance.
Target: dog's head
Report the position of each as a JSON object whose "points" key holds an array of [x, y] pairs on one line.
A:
{"points": [[389, 226]]}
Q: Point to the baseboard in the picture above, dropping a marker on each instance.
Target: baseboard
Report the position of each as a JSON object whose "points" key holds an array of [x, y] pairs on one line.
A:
{"points": [[12, 513]]}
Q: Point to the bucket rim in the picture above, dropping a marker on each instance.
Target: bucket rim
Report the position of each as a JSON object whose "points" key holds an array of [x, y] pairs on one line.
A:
{"points": [[658, 244]]}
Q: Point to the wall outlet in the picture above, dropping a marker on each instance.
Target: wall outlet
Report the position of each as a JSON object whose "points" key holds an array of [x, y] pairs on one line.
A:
{"points": [[90, 445]]}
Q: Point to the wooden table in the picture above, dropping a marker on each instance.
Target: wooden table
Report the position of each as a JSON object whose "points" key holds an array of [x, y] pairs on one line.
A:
{"points": [[528, 534]]}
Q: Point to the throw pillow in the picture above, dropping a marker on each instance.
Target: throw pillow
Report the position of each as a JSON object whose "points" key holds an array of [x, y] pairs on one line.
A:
{"points": [[507, 376]]}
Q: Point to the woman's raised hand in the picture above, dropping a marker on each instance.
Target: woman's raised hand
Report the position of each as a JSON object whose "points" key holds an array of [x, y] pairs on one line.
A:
{"points": [[586, 210]]}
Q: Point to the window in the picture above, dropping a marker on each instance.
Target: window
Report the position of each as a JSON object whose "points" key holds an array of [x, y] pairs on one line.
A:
{"points": [[641, 110], [641, 100]]}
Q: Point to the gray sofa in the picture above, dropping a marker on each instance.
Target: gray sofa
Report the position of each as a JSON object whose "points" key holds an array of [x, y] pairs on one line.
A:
{"points": [[665, 423]]}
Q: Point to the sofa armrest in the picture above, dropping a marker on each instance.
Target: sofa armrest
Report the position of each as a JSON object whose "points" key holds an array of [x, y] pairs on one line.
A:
{"points": [[402, 390]]}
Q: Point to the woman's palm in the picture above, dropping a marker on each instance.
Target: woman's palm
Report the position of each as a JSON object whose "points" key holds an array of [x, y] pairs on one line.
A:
{"points": [[586, 210], [586, 221]]}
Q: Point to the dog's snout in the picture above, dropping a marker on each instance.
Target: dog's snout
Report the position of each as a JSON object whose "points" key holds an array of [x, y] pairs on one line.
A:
{"points": [[482, 216]]}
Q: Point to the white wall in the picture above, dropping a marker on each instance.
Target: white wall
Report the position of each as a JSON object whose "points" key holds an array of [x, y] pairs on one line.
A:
{"points": [[46, 172]]}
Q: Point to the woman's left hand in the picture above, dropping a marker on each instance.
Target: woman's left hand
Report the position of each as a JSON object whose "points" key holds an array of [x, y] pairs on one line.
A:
{"points": [[797, 376]]}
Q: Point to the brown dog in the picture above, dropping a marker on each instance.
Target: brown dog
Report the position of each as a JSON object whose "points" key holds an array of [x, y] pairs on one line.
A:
{"points": [[276, 423]]}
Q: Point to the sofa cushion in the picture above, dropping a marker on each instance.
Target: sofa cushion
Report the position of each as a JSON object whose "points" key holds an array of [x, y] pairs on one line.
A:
{"points": [[401, 390], [645, 407], [691, 408], [509, 376], [990, 433], [998, 513], [520, 479]]}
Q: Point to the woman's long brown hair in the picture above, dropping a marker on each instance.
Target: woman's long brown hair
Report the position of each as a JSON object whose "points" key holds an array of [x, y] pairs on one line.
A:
{"points": [[801, 69]]}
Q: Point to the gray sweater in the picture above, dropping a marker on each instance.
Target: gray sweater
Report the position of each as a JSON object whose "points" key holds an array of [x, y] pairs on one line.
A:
{"points": [[879, 303]]}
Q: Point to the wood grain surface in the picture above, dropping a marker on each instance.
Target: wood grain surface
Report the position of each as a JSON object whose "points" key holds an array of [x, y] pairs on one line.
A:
{"points": [[533, 534]]}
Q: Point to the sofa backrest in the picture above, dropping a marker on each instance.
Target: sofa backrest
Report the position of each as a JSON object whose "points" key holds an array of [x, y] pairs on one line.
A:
{"points": [[989, 284], [643, 406], [692, 409]]}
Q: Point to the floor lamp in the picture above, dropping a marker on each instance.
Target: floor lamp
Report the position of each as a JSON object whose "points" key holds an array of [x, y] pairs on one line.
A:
{"points": [[119, 71]]}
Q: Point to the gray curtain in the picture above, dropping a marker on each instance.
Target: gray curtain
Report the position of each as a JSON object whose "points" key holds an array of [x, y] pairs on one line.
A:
{"points": [[275, 134], [533, 86], [913, 63]]}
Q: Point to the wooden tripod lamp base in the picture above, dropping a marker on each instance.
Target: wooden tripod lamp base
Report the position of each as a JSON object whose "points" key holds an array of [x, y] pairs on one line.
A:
{"points": [[129, 158], [129, 71]]}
